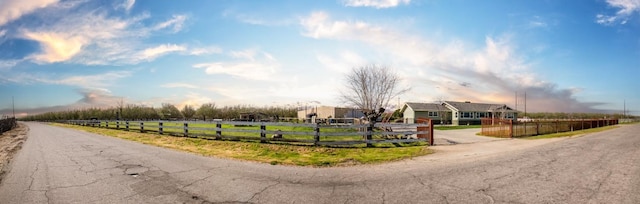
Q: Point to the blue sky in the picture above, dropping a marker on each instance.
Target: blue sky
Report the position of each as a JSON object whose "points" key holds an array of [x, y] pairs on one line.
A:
{"points": [[568, 56]]}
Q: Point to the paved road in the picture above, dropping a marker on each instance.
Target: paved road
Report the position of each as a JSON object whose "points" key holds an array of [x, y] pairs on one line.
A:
{"points": [[59, 165]]}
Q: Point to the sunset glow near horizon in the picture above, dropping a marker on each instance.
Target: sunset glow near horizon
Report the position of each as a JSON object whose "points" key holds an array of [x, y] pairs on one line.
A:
{"points": [[567, 56]]}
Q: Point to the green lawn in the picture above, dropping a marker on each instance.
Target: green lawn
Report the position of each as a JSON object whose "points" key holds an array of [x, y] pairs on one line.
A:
{"points": [[269, 153]]}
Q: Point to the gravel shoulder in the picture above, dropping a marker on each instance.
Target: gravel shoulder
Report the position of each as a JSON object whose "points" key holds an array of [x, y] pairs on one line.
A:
{"points": [[10, 142]]}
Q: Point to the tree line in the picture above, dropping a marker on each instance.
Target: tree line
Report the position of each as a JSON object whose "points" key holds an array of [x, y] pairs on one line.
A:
{"points": [[560, 115], [207, 111]]}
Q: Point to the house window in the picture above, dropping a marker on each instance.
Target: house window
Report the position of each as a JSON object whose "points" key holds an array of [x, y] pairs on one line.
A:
{"points": [[466, 115], [482, 115], [433, 114], [509, 115]]}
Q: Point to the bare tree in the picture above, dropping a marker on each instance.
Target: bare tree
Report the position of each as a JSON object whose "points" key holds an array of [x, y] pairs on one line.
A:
{"points": [[371, 87], [169, 111], [188, 111], [207, 110]]}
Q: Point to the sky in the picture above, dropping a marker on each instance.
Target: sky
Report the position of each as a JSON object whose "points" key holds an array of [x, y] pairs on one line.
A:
{"points": [[567, 56]]}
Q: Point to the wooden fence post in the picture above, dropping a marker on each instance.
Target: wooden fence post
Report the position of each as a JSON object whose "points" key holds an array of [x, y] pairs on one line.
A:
{"points": [[369, 133], [316, 134], [218, 130], [127, 125], [510, 128], [430, 132], [186, 129], [160, 128], [141, 126], [263, 134]]}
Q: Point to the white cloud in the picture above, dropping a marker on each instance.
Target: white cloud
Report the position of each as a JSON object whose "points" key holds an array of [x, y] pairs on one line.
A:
{"points": [[626, 9], [375, 3], [13, 9], [179, 85], [176, 22], [56, 47], [454, 70], [251, 65], [154, 52], [2, 33]]}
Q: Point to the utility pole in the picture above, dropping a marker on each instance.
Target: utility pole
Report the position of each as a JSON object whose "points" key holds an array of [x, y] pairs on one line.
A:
{"points": [[525, 104], [13, 106], [516, 100], [624, 110]]}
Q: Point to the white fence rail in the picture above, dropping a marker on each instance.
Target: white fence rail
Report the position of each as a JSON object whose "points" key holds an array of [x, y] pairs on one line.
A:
{"points": [[316, 134]]}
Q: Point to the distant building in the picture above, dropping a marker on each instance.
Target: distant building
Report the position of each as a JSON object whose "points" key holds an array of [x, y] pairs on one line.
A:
{"points": [[330, 112], [456, 113]]}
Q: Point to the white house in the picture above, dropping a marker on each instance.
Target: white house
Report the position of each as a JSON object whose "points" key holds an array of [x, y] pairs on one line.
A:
{"points": [[456, 113]]}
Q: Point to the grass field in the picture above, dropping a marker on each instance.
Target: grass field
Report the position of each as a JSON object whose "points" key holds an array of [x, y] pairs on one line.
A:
{"points": [[268, 153]]}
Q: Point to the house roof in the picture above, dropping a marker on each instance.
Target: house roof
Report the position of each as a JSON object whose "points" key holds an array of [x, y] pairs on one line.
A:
{"points": [[467, 106], [424, 107]]}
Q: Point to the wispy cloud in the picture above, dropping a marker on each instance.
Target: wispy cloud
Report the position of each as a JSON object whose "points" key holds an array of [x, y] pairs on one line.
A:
{"points": [[127, 5], [205, 50], [154, 52], [375, 3], [94, 37], [537, 22], [490, 74], [13, 9], [250, 64], [255, 19], [179, 85], [84, 81], [625, 9], [176, 23]]}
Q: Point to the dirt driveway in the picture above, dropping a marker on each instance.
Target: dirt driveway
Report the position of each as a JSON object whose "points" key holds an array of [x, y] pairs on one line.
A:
{"points": [[463, 136]]}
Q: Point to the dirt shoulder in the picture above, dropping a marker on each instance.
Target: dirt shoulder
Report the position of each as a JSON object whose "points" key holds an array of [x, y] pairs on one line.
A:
{"points": [[10, 142]]}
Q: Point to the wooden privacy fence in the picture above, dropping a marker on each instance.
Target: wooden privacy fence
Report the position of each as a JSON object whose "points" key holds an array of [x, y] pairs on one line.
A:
{"points": [[7, 124], [510, 129], [316, 134]]}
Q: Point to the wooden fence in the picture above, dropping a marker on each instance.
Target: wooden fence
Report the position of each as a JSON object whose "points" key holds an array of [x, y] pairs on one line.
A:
{"points": [[271, 132], [7, 124], [510, 129]]}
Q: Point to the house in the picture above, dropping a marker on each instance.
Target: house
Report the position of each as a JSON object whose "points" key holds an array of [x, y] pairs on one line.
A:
{"points": [[325, 112], [456, 113], [467, 113], [438, 113]]}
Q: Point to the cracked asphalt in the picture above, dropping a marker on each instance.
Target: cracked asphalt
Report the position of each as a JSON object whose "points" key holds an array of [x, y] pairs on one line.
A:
{"points": [[58, 165]]}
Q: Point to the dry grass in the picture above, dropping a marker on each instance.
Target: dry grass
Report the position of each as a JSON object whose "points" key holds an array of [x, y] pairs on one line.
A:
{"points": [[268, 153]]}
